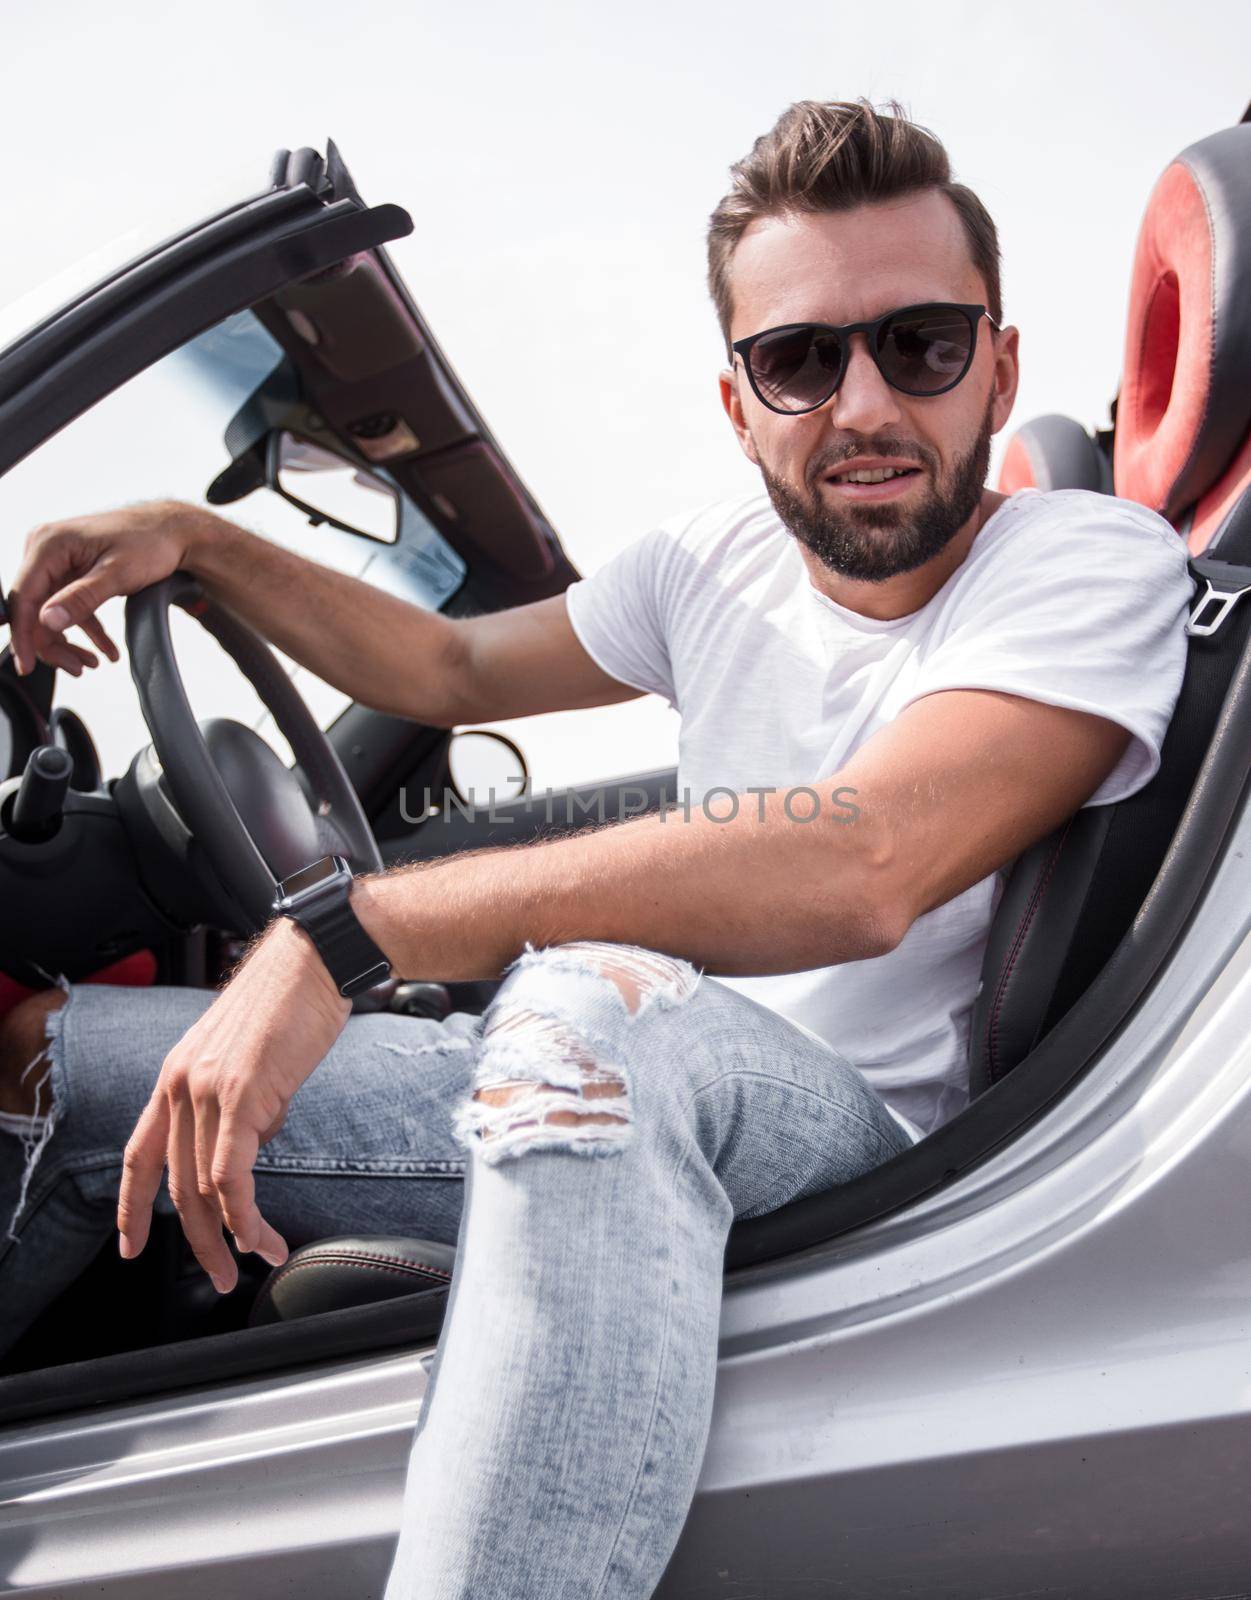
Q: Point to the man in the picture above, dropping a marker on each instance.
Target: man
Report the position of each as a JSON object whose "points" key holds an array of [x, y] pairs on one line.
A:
{"points": [[899, 677]]}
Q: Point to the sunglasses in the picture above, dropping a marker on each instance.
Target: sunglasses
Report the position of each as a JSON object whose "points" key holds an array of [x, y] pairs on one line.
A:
{"points": [[919, 350]]}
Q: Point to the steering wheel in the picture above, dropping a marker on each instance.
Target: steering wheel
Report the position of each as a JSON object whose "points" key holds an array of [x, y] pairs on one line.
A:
{"points": [[248, 813]]}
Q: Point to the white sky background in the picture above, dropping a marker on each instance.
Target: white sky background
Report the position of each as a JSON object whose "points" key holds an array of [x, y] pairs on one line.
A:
{"points": [[560, 163]]}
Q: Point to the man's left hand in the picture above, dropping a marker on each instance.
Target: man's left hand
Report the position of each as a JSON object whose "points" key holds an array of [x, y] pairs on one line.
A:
{"points": [[223, 1091]]}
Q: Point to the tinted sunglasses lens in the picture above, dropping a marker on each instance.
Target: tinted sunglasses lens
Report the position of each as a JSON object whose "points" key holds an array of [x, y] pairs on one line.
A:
{"points": [[795, 369], [924, 351]]}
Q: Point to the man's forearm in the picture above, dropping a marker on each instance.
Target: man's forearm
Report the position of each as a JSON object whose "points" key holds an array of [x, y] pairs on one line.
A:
{"points": [[740, 897], [382, 651]]}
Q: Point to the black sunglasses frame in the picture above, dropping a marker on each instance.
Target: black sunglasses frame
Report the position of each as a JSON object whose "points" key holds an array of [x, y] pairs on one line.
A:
{"points": [[743, 348]]}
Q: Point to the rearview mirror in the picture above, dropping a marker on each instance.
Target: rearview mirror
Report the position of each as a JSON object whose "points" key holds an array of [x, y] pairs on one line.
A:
{"points": [[328, 488]]}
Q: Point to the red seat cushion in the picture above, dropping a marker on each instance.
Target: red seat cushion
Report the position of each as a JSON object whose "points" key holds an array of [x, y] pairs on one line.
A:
{"points": [[135, 971]]}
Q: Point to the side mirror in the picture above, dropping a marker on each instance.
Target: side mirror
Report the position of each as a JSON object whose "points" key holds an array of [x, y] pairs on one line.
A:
{"points": [[329, 488], [486, 768]]}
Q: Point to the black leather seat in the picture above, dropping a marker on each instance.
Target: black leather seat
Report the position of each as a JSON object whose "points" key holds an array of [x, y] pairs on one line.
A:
{"points": [[1182, 446], [350, 1272]]}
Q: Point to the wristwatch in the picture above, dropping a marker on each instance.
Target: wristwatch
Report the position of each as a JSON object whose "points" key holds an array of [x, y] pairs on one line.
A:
{"points": [[317, 898]]}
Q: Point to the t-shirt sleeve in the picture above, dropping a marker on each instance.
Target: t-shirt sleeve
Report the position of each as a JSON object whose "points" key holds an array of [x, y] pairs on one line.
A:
{"points": [[618, 615], [1082, 606]]}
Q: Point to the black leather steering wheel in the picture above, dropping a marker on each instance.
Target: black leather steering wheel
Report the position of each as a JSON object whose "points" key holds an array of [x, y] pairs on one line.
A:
{"points": [[248, 813]]}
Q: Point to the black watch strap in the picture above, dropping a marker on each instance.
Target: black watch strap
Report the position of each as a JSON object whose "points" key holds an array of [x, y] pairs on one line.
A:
{"points": [[352, 958], [324, 911]]}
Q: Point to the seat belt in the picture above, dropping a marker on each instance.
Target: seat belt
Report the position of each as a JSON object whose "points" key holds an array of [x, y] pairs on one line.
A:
{"points": [[1222, 581]]}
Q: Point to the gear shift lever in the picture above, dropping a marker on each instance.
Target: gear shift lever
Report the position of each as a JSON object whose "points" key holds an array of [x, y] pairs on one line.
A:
{"points": [[36, 808]]}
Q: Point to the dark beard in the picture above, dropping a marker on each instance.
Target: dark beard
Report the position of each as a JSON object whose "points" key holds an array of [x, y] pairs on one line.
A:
{"points": [[871, 543]]}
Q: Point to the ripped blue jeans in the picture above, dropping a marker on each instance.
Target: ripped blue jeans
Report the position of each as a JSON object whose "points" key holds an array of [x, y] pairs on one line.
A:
{"points": [[587, 1144]]}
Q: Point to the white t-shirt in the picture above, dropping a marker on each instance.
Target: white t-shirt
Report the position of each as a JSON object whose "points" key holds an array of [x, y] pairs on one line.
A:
{"points": [[1070, 597]]}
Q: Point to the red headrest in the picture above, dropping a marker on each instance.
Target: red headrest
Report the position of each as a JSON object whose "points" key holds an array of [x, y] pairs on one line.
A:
{"points": [[1184, 409]]}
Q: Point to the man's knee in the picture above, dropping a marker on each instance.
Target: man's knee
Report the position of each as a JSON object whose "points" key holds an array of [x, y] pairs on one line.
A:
{"points": [[545, 1078], [23, 1038], [641, 977]]}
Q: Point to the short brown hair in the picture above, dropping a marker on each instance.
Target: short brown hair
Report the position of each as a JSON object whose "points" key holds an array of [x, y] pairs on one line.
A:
{"points": [[830, 156]]}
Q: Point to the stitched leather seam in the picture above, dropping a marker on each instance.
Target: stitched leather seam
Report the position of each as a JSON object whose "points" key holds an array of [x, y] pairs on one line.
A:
{"points": [[1040, 888], [353, 1258], [373, 1266]]}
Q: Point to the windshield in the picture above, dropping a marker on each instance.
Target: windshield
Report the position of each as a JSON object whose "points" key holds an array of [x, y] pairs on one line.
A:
{"points": [[161, 436]]}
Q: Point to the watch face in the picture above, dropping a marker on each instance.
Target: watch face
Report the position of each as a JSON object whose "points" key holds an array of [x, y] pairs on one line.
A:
{"points": [[310, 877]]}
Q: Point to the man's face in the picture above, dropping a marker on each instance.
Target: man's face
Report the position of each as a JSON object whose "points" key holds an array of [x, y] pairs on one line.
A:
{"points": [[851, 266]]}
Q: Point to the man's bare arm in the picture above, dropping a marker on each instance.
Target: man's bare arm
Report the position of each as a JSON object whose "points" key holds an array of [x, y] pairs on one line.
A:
{"points": [[393, 656], [380, 650], [955, 787]]}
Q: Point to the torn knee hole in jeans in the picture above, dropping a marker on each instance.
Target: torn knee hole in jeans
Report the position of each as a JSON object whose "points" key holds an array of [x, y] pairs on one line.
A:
{"points": [[540, 1083], [539, 1086]]}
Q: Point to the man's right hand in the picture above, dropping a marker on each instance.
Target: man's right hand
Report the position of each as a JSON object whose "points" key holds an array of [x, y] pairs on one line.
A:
{"points": [[69, 569]]}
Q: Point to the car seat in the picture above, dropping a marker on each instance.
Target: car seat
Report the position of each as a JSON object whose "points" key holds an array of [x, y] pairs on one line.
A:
{"points": [[1183, 447]]}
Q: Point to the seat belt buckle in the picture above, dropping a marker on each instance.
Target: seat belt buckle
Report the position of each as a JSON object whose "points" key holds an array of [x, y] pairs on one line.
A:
{"points": [[1222, 602]]}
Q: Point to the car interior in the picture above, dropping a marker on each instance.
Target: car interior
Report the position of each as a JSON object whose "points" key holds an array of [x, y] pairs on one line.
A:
{"points": [[167, 867]]}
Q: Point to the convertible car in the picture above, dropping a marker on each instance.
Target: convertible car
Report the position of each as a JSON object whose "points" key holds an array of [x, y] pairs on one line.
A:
{"points": [[1014, 1359]]}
